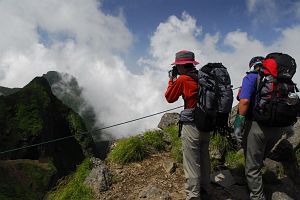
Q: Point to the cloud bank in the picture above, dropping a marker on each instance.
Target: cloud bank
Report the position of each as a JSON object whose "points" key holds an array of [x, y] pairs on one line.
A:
{"points": [[80, 39]]}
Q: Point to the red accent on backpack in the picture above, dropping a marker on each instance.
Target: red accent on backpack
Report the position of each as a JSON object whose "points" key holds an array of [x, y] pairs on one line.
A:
{"points": [[270, 67]]}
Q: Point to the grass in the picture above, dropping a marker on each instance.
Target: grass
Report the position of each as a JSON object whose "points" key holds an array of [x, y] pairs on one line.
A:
{"points": [[155, 139], [234, 159], [176, 143], [137, 148], [72, 186], [221, 143], [298, 155], [128, 150]]}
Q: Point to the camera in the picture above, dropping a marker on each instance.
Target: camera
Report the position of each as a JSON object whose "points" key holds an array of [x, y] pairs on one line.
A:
{"points": [[174, 72]]}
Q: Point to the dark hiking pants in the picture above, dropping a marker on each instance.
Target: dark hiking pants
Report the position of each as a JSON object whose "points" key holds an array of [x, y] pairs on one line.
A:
{"points": [[259, 142]]}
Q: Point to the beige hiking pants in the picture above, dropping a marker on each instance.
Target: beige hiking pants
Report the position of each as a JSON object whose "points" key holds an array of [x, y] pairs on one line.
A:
{"points": [[196, 161]]}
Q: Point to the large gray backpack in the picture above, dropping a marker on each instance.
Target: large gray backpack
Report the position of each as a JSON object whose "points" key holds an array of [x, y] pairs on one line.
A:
{"points": [[215, 98]]}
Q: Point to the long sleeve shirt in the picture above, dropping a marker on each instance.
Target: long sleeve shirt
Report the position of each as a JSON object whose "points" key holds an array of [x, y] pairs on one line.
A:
{"points": [[183, 86]]}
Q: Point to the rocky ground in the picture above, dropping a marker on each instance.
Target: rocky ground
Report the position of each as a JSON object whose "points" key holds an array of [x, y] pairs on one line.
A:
{"points": [[158, 177], [151, 179]]}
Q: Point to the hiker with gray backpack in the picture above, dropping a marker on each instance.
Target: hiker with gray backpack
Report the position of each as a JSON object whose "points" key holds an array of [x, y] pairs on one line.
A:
{"points": [[208, 98], [267, 110]]}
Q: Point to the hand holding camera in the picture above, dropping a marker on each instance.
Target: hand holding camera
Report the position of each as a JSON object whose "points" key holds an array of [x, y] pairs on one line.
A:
{"points": [[173, 73]]}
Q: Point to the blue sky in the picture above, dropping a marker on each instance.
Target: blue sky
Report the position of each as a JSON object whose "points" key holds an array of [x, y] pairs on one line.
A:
{"points": [[120, 50], [142, 17], [262, 22]]}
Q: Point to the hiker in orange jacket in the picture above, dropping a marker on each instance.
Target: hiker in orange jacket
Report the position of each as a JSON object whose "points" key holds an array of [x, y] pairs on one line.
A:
{"points": [[196, 162]]}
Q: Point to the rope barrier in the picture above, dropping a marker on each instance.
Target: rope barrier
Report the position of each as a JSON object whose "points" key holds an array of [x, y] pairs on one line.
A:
{"points": [[86, 132]]}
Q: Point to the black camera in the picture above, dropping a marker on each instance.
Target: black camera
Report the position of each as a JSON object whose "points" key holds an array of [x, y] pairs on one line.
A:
{"points": [[173, 72]]}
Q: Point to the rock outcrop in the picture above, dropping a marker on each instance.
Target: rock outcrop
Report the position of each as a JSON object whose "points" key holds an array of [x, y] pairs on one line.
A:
{"points": [[25, 179], [67, 89], [168, 119], [100, 178]]}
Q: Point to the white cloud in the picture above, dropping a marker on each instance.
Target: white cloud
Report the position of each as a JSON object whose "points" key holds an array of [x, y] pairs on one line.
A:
{"points": [[87, 43], [173, 35], [272, 12], [241, 46], [251, 4]]}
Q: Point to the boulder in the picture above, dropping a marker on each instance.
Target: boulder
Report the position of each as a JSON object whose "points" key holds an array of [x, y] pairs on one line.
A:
{"points": [[168, 119], [238, 192], [169, 166], [295, 139], [100, 178], [222, 178], [283, 191], [25, 179]]}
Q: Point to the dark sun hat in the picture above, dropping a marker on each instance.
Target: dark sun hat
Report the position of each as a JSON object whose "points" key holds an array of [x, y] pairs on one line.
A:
{"points": [[183, 57]]}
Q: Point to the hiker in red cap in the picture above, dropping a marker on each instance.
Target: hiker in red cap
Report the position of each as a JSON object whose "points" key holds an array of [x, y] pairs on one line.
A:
{"points": [[196, 161]]}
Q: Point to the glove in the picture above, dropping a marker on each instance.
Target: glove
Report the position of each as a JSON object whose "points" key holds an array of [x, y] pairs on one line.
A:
{"points": [[238, 127]]}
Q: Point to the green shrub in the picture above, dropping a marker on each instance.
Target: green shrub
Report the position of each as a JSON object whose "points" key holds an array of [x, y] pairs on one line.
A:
{"points": [[220, 143], [155, 139], [298, 155], [214, 164], [72, 186], [234, 160], [128, 150], [176, 143]]}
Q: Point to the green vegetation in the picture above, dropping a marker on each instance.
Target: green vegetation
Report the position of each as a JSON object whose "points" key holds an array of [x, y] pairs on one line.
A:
{"points": [[220, 143], [155, 139], [137, 148], [176, 143], [77, 126], [298, 155], [214, 164], [72, 186], [33, 115], [128, 150], [24, 179], [234, 159], [219, 147]]}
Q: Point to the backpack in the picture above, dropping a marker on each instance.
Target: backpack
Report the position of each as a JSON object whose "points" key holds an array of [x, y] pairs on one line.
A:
{"points": [[215, 98], [276, 98]]}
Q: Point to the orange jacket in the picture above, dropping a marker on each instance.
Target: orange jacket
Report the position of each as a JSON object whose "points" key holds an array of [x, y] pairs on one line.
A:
{"points": [[183, 86]]}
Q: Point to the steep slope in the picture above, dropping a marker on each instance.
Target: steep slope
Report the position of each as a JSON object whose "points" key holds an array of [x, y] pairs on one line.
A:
{"points": [[66, 88], [33, 115]]}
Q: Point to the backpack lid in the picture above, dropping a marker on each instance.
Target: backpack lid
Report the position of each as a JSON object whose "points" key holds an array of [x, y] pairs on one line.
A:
{"points": [[286, 65], [270, 67], [210, 66]]}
